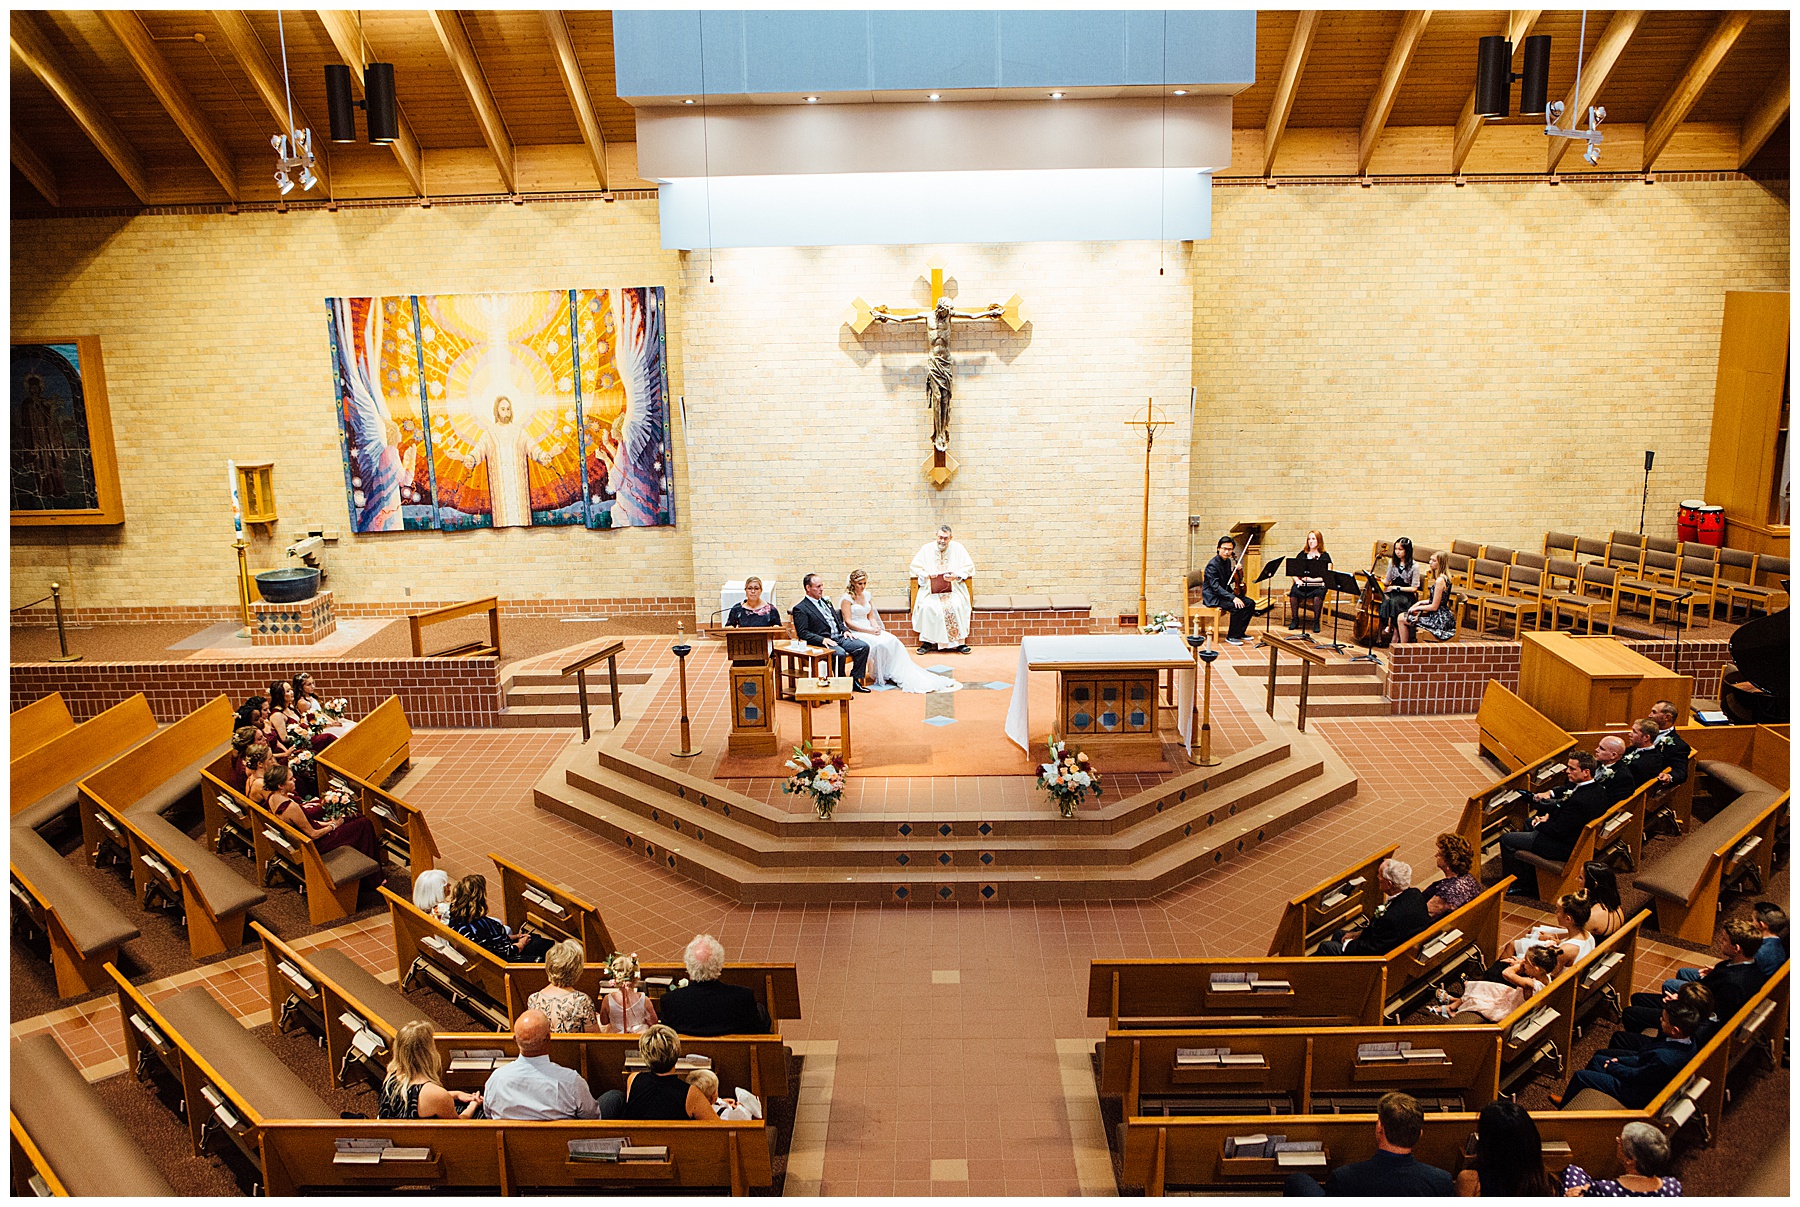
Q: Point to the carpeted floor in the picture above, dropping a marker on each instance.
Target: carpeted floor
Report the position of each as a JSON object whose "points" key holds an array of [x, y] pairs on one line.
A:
{"points": [[896, 734], [161, 949]]}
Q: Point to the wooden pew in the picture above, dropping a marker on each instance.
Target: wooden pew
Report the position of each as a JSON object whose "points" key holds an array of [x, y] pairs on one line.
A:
{"points": [[66, 1140], [38, 722], [1160, 994], [44, 779], [228, 817], [356, 1014], [159, 772], [776, 986], [1471, 931], [1190, 1151], [329, 880], [1605, 977], [756, 1062], [1505, 804], [1685, 885], [376, 746], [509, 1158], [83, 928], [1513, 732], [419, 621], [1313, 915], [1302, 1065], [531, 900], [229, 1082], [1623, 822]]}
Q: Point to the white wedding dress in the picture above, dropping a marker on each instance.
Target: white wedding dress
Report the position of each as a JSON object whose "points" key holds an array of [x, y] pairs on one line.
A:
{"points": [[888, 660]]}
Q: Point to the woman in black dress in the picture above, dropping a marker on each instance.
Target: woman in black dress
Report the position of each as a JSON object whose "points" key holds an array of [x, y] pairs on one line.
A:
{"points": [[1402, 585], [414, 1085], [754, 612], [1309, 580], [659, 1092]]}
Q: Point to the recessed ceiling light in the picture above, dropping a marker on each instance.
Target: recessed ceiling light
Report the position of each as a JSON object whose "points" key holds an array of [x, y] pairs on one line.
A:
{"points": [[689, 101], [1181, 92], [934, 97], [1056, 96], [812, 100]]}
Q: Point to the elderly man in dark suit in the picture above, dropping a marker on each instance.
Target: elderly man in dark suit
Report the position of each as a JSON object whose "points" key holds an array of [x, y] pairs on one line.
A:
{"points": [[706, 1005], [1401, 916]]}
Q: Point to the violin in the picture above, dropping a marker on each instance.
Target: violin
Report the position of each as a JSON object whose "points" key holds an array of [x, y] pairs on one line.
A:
{"points": [[1368, 609], [1237, 572]]}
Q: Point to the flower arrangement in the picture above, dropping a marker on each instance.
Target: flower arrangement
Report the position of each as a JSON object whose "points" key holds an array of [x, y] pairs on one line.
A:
{"points": [[1162, 622], [337, 801], [1068, 778], [820, 777], [335, 709]]}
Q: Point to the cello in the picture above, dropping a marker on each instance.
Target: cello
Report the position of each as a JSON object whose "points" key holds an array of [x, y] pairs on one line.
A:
{"points": [[1368, 609]]}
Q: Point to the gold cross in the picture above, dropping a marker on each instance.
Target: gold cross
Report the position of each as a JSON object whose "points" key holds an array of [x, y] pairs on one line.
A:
{"points": [[1150, 422]]}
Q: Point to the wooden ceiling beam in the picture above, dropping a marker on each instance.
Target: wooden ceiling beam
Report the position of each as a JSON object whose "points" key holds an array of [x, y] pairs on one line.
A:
{"points": [[1468, 126], [1763, 120], [1299, 48], [1700, 70], [34, 49], [456, 44], [172, 95], [569, 67], [1412, 28], [248, 49], [34, 169], [1606, 54], [341, 28]]}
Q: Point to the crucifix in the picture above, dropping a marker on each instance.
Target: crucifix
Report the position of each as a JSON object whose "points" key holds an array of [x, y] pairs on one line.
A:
{"points": [[1150, 422], [940, 372]]}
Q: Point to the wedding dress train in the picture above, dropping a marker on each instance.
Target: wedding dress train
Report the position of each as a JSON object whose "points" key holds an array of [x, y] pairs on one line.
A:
{"points": [[889, 661]]}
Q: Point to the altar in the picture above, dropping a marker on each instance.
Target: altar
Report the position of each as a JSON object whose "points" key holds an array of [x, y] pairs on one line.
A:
{"points": [[1106, 697]]}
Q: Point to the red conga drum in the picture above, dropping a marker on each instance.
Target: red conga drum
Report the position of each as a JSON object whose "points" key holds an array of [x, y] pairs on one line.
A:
{"points": [[1712, 526], [1687, 520]]}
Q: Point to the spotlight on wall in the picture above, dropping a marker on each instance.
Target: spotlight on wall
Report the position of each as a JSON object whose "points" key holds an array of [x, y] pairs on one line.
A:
{"points": [[287, 160]]}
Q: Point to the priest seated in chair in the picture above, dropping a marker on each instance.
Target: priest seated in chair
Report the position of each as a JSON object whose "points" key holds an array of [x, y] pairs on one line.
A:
{"points": [[942, 604]]}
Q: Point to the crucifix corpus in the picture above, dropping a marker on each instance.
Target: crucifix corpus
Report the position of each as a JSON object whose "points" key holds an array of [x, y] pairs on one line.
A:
{"points": [[1150, 422], [940, 372]]}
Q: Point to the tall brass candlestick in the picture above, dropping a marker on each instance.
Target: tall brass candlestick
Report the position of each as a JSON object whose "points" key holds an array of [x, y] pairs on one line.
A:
{"points": [[243, 568], [687, 750], [1205, 757]]}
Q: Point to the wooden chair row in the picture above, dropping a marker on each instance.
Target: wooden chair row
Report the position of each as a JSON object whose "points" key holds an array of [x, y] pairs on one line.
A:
{"points": [[1751, 579], [426, 951], [1159, 1152]]}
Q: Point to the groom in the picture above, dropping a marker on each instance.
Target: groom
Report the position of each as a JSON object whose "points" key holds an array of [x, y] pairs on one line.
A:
{"points": [[818, 623]]}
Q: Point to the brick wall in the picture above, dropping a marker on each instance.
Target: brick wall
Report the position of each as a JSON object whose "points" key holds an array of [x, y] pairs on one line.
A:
{"points": [[1003, 628], [446, 693], [1430, 679]]}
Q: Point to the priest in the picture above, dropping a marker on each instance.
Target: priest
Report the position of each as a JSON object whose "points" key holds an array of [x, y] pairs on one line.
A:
{"points": [[942, 608]]}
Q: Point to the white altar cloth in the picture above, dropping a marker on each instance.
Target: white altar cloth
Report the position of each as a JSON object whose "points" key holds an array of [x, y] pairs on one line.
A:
{"points": [[1126, 651]]}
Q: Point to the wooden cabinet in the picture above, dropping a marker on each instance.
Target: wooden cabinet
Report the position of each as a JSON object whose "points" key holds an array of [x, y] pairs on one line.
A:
{"points": [[1589, 683], [1746, 465]]}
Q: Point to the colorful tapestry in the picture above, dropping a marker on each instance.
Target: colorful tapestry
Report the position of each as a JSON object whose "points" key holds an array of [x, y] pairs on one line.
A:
{"points": [[465, 411]]}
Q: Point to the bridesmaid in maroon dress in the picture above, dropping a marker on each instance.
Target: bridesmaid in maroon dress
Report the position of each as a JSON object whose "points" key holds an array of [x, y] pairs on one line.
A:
{"points": [[350, 830]]}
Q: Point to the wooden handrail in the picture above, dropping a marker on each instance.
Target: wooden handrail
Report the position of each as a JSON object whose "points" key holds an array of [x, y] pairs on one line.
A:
{"points": [[578, 668], [1308, 660], [418, 621]]}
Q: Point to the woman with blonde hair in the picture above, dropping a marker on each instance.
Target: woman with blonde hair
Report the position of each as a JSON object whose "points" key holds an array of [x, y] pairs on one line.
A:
{"points": [[626, 1008], [569, 1009], [658, 1092], [888, 660], [1434, 613], [414, 1085]]}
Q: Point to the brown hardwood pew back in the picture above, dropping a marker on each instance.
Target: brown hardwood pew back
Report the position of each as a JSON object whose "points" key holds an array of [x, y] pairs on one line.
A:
{"points": [[1301, 1064], [376, 746], [514, 1157], [38, 722], [44, 779], [1312, 916], [756, 1062], [330, 880], [83, 929], [1190, 1151], [1505, 804], [418, 622], [1513, 732], [464, 971], [1622, 823], [531, 900], [1470, 931], [1685, 887], [341, 999], [143, 775], [776, 986], [1160, 994]]}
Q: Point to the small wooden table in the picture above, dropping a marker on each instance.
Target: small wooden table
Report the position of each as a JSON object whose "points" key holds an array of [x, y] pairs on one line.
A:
{"points": [[809, 695], [792, 664]]}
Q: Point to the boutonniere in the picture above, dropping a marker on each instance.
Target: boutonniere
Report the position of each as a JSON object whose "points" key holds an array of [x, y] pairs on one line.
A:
{"points": [[1381, 909]]}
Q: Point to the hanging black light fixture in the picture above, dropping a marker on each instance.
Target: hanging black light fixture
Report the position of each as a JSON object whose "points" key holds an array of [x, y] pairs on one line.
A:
{"points": [[378, 92], [340, 104], [1494, 76]]}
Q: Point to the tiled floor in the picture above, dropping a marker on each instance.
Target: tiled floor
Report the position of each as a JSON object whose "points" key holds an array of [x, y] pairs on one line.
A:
{"points": [[953, 1030]]}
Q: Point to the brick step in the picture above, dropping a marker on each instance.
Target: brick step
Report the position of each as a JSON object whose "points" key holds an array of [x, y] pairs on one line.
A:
{"points": [[560, 694], [743, 880], [596, 677], [1111, 817], [1348, 706], [1011, 846], [542, 717]]}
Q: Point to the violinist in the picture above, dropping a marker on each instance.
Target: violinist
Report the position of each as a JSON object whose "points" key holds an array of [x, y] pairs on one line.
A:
{"points": [[1309, 579], [1219, 590], [1402, 585]]}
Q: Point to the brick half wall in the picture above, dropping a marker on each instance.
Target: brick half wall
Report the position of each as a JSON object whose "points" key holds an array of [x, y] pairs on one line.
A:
{"points": [[438, 693], [668, 607], [1003, 626], [1430, 680]]}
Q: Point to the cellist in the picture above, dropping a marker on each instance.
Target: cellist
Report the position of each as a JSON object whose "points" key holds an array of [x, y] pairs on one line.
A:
{"points": [[1402, 585], [1218, 591]]}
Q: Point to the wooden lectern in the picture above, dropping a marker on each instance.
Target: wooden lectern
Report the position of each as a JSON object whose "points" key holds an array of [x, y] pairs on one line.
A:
{"points": [[752, 686]]}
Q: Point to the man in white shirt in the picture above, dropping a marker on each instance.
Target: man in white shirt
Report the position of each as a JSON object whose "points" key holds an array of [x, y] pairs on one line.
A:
{"points": [[533, 1087], [942, 609]]}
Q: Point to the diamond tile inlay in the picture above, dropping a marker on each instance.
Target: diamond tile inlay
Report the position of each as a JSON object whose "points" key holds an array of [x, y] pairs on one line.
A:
{"points": [[903, 859], [944, 829]]}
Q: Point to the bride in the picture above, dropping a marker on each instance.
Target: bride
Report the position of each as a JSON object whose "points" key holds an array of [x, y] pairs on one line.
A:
{"points": [[888, 660]]}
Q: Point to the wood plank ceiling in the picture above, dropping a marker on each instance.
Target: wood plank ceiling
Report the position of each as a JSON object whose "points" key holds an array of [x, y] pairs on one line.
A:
{"points": [[176, 107]]}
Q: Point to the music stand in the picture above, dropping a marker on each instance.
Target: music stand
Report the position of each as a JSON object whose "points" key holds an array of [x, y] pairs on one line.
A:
{"points": [[1342, 582], [1269, 571]]}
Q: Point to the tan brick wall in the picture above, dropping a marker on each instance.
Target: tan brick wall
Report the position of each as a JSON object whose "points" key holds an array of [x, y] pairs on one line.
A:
{"points": [[815, 439], [1485, 362], [213, 332]]}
